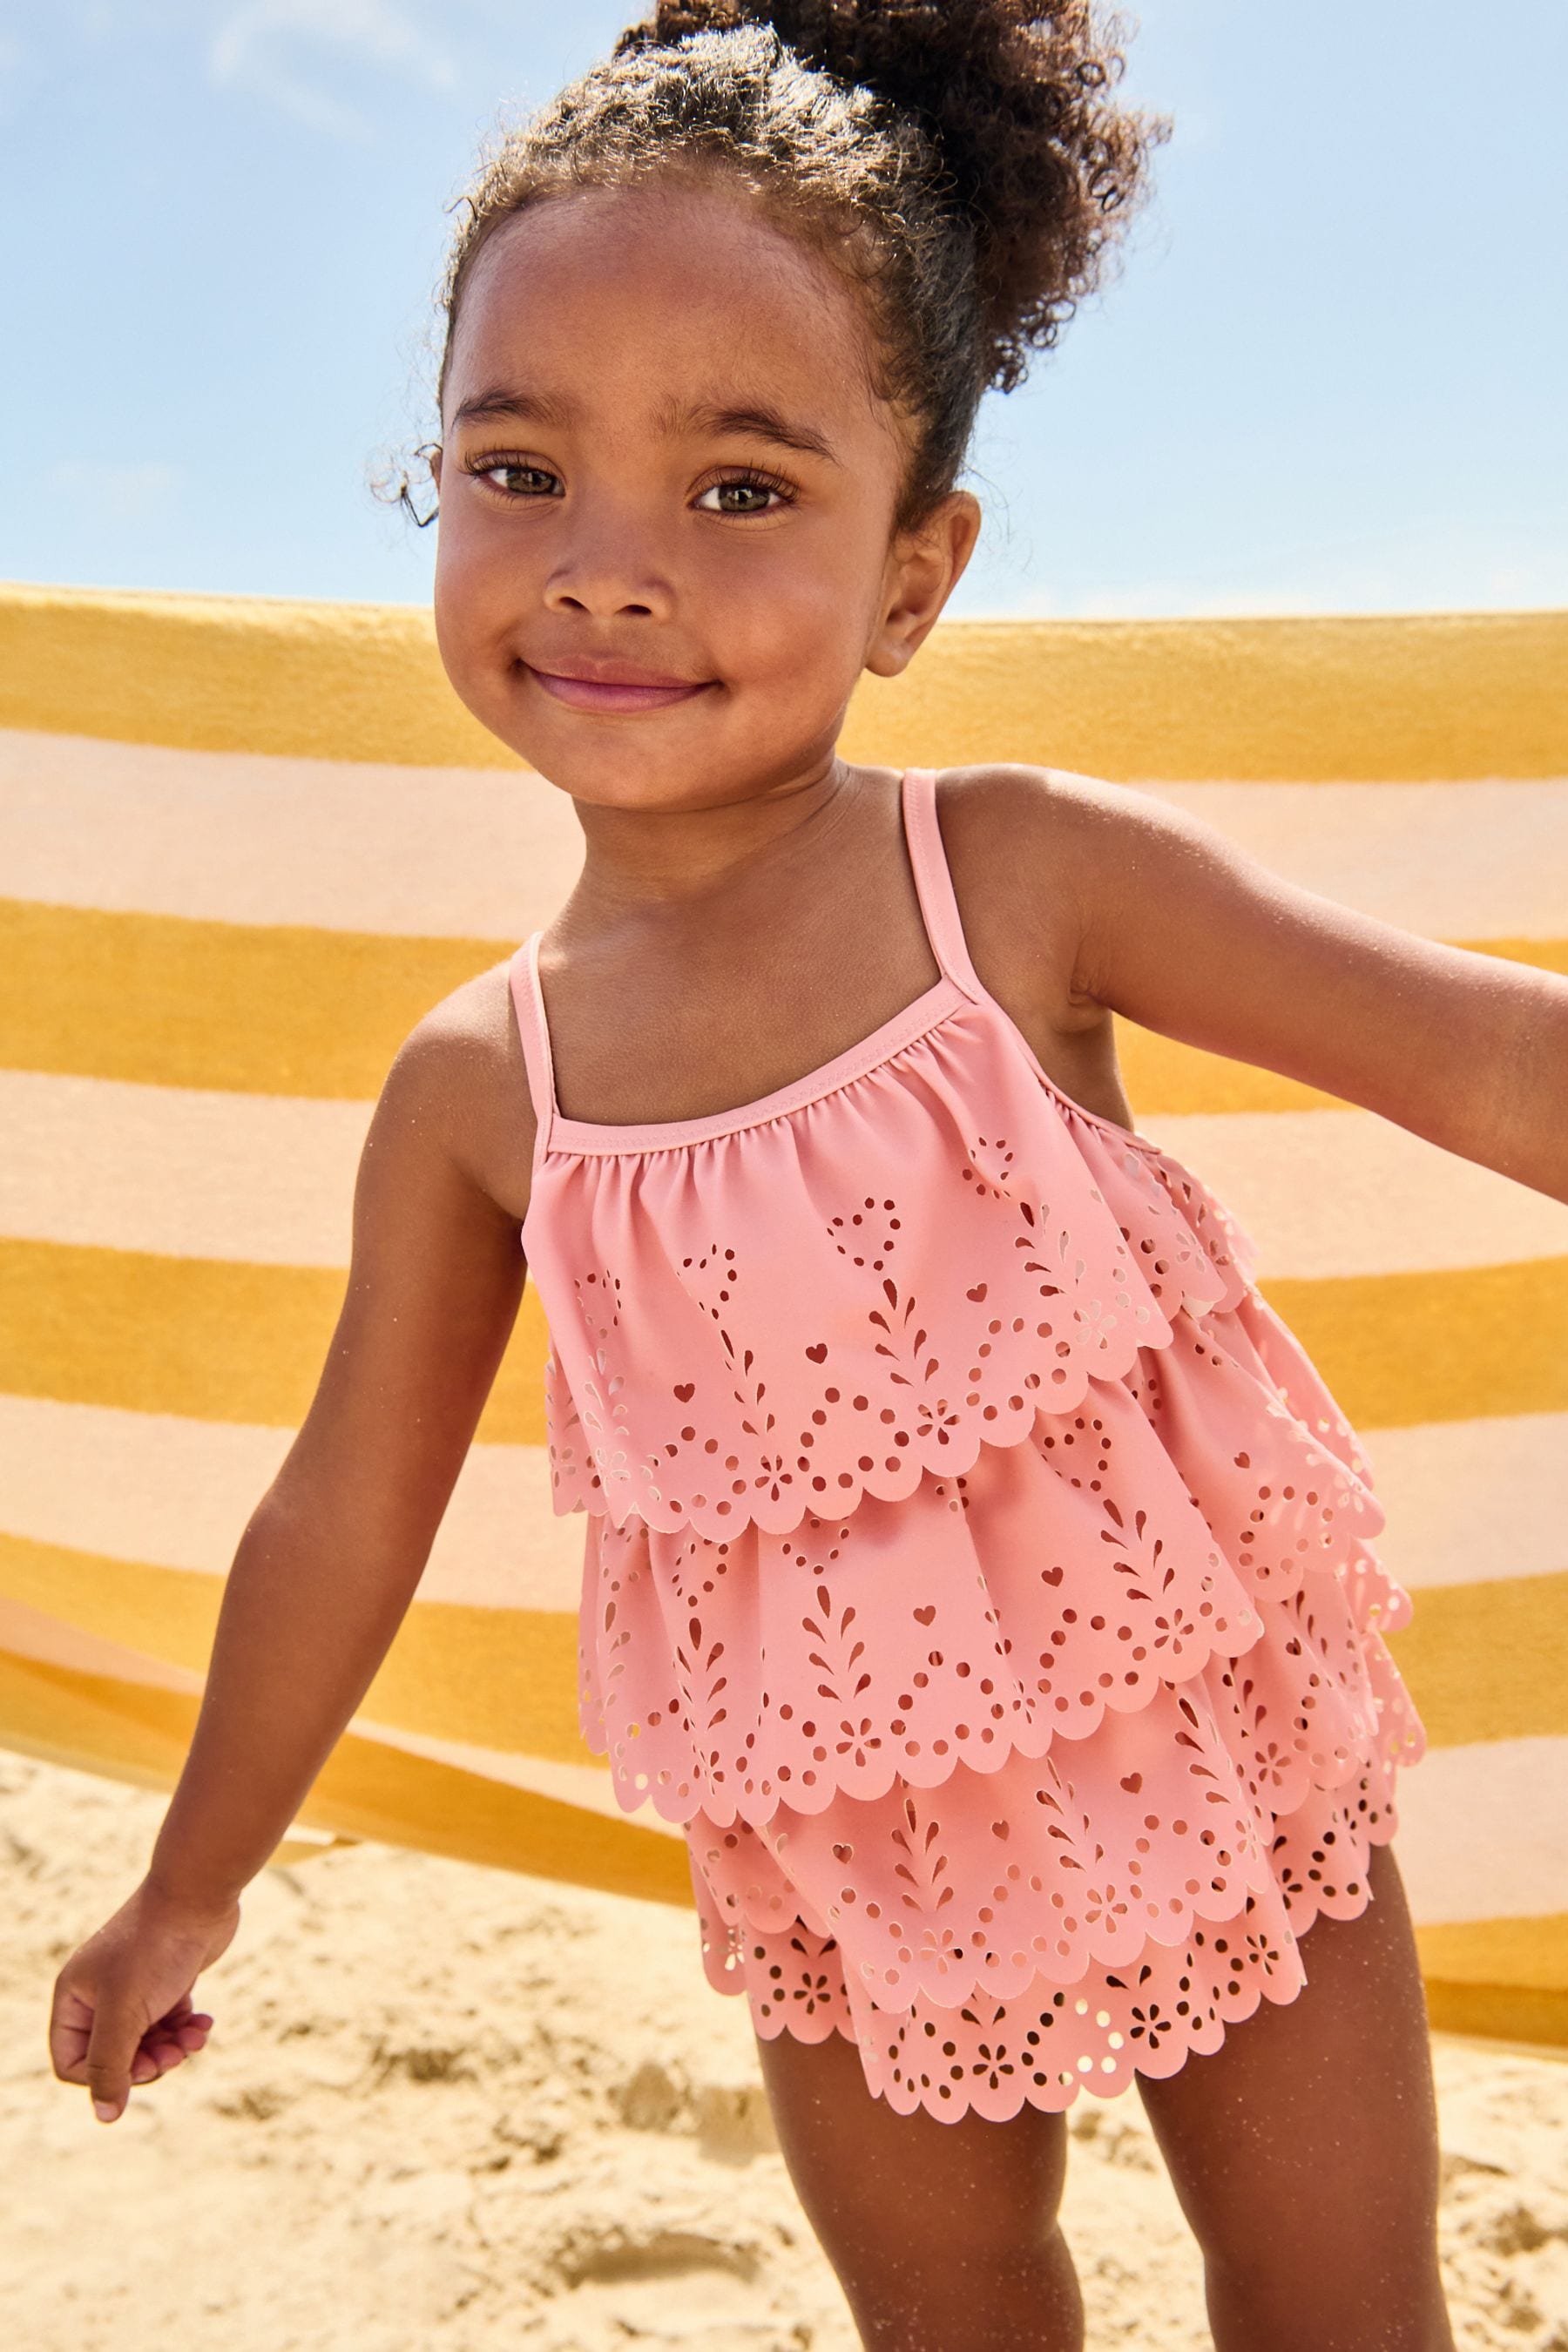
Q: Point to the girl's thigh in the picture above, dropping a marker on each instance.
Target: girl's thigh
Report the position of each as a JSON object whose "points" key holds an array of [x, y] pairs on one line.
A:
{"points": [[942, 2233], [1304, 2151]]}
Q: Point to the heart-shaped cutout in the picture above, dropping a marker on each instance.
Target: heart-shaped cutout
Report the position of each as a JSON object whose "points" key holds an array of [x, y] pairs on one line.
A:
{"points": [[1001, 1830], [1051, 1576], [843, 1854], [1133, 1782], [925, 1616], [818, 1353], [685, 1392], [977, 1294]]}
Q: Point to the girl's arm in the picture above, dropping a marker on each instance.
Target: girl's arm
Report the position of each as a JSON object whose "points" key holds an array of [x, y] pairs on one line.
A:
{"points": [[1184, 932], [331, 1556]]}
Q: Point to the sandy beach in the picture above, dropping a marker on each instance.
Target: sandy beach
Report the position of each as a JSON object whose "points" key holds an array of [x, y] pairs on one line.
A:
{"points": [[413, 2128]]}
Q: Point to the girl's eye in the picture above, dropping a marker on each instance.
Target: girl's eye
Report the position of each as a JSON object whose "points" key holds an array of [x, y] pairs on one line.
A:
{"points": [[516, 480], [752, 489]]}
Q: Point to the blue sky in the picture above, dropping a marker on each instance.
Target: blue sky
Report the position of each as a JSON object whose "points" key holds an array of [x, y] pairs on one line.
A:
{"points": [[1330, 376]]}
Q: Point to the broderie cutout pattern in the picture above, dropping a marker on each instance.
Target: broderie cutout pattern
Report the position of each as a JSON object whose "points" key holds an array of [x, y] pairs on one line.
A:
{"points": [[988, 1585]]}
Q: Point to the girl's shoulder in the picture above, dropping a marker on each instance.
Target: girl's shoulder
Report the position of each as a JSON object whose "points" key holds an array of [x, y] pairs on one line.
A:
{"points": [[1061, 815], [461, 1071], [1027, 848], [1052, 826], [1069, 872]]}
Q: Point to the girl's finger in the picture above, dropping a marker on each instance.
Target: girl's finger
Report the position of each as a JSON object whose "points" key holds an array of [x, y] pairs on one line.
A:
{"points": [[150, 2065], [161, 2049], [182, 2039]]}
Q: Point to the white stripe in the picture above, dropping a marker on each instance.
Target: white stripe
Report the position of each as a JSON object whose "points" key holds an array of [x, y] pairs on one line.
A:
{"points": [[243, 837], [1483, 1831], [268, 1179], [1326, 1193], [492, 853], [1467, 1501], [1472, 861], [172, 1493], [1471, 1500]]}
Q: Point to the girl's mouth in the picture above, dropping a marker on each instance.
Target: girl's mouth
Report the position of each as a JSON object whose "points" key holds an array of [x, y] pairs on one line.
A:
{"points": [[590, 694]]}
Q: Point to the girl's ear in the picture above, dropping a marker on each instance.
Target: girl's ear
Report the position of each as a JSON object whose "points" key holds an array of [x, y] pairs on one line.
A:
{"points": [[923, 569]]}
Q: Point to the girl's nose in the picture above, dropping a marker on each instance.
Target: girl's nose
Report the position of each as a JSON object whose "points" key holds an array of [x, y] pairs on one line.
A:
{"points": [[607, 570]]}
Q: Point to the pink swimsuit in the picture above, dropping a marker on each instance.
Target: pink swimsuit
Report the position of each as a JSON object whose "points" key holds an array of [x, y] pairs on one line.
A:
{"points": [[975, 1565]]}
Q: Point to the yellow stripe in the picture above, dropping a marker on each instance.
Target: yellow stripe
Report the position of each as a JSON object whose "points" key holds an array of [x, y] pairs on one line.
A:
{"points": [[159, 1335], [1530, 1952], [238, 1007], [366, 1789], [1370, 699], [205, 1338], [1399, 1348], [1506, 1978], [237, 674], [1413, 698], [1488, 1661], [1546, 955], [503, 1678], [281, 1008]]}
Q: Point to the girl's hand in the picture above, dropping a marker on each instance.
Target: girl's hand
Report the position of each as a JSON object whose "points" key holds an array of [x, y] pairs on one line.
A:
{"points": [[122, 2011]]}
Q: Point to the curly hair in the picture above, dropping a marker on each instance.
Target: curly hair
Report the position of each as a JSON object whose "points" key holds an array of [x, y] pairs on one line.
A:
{"points": [[965, 166]]}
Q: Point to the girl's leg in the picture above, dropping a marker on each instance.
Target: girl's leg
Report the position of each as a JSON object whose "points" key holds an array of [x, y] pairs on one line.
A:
{"points": [[1304, 2150], [944, 2236]]}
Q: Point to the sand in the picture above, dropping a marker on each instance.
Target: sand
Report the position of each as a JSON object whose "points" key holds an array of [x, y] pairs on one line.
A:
{"points": [[413, 2131]]}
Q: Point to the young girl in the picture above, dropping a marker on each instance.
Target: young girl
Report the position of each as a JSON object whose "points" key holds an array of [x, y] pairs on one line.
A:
{"points": [[974, 1566]]}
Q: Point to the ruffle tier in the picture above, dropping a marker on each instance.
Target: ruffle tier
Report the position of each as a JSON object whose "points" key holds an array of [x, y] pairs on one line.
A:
{"points": [[992, 1599], [863, 1343], [1079, 1575], [1067, 1921], [1034, 1778], [990, 2054]]}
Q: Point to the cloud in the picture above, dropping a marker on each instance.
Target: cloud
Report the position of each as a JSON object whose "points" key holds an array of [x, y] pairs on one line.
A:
{"points": [[256, 47], [126, 493]]}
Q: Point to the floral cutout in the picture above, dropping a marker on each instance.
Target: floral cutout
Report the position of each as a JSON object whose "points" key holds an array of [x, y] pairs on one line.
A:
{"points": [[1052, 2040], [853, 1354], [987, 1586], [1119, 1550]]}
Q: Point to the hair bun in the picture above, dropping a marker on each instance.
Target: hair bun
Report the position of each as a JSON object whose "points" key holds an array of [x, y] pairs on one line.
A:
{"points": [[1015, 99]]}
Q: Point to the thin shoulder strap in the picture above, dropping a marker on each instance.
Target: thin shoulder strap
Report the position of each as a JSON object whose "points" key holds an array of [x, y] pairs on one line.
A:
{"points": [[945, 926], [533, 1030]]}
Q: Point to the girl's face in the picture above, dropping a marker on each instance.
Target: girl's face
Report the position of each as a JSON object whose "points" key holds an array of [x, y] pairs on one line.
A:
{"points": [[667, 492]]}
